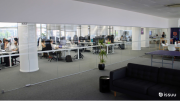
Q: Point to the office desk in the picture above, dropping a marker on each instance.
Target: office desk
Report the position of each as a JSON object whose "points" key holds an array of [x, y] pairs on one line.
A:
{"points": [[110, 45], [10, 53]]}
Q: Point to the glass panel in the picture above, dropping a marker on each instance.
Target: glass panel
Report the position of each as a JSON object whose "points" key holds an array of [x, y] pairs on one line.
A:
{"points": [[11, 55], [44, 57]]}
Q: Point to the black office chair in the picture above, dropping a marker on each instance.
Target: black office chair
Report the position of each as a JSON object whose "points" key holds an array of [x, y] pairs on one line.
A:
{"points": [[96, 49], [14, 60], [110, 48], [52, 56]]}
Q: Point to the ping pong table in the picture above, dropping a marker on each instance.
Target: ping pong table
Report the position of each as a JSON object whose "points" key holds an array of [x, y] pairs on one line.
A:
{"points": [[163, 53]]}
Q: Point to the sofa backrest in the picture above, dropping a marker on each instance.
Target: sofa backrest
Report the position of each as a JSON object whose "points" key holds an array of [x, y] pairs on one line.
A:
{"points": [[142, 72], [169, 76]]}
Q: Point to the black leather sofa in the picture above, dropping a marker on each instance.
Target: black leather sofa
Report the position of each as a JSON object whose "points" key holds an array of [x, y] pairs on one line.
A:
{"points": [[146, 82]]}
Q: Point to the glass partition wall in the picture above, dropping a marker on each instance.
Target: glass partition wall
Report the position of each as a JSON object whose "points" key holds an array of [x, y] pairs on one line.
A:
{"points": [[50, 51]]}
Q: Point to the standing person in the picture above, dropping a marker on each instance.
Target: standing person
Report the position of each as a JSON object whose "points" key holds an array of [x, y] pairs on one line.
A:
{"points": [[163, 35]]}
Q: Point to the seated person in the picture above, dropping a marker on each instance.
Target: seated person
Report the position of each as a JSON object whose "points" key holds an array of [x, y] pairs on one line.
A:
{"points": [[121, 37], [7, 45], [43, 47], [108, 41], [14, 47], [43, 44], [3, 44], [55, 47]]}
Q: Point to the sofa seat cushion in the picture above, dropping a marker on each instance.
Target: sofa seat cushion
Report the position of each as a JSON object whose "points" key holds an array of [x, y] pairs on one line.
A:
{"points": [[133, 84], [164, 89]]}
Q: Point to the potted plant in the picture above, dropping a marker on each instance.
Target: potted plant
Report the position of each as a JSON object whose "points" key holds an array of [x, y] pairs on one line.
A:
{"points": [[102, 54]]}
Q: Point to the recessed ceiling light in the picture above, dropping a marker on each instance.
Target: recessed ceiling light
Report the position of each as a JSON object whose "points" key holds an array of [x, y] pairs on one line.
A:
{"points": [[173, 5]]}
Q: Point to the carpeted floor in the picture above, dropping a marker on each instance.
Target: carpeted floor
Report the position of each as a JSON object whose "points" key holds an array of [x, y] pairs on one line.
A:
{"points": [[83, 86]]}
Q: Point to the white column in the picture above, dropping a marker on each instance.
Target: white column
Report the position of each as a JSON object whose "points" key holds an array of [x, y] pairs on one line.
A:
{"points": [[136, 38], [28, 47], [168, 35], [145, 38]]}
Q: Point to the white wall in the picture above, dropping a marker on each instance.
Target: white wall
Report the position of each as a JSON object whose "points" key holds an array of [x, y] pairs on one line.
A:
{"points": [[74, 12], [173, 22], [179, 22]]}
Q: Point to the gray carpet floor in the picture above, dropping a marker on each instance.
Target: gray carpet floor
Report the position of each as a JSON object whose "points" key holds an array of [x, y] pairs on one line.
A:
{"points": [[83, 86]]}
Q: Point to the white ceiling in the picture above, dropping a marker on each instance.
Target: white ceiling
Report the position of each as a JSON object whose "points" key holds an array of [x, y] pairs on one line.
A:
{"points": [[151, 7]]}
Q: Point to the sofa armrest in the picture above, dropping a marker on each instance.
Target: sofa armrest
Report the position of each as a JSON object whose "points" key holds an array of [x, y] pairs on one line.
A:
{"points": [[117, 74]]}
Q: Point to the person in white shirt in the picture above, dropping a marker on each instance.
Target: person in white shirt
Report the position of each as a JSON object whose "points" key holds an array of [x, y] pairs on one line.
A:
{"points": [[7, 45], [15, 47], [55, 47]]}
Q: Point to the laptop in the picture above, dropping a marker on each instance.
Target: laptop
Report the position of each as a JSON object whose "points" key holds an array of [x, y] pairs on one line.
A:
{"points": [[8, 50], [60, 46]]}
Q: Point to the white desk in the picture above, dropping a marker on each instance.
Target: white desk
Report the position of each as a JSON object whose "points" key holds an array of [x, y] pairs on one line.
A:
{"points": [[110, 45], [4, 52]]}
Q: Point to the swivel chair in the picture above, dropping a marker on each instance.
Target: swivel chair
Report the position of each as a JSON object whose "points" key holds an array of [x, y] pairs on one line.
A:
{"points": [[171, 48]]}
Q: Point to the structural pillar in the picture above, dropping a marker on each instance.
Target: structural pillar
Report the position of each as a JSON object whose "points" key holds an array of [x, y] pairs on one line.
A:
{"points": [[136, 38], [28, 47], [145, 38]]}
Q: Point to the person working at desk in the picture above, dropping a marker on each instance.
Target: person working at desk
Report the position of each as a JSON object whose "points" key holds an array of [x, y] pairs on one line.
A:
{"points": [[43, 44], [6, 45], [55, 47], [14, 47], [43, 47], [121, 37], [108, 41]]}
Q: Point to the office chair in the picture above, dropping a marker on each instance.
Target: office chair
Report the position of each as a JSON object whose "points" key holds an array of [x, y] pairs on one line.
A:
{"points": [[95, 42], [96, 50], [48, 47], [14, 60], [80, 54], [109, 48], [52, 56], [171, 48]]}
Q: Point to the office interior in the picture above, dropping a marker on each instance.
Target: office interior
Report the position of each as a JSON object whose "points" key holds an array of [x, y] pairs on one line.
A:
{"points": [[33, 64]]}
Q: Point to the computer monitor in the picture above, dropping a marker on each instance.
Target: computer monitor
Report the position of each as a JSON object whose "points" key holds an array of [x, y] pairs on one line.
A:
{"points": [[57, 40], [62, 42], [62, 38], [81, 38]]}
